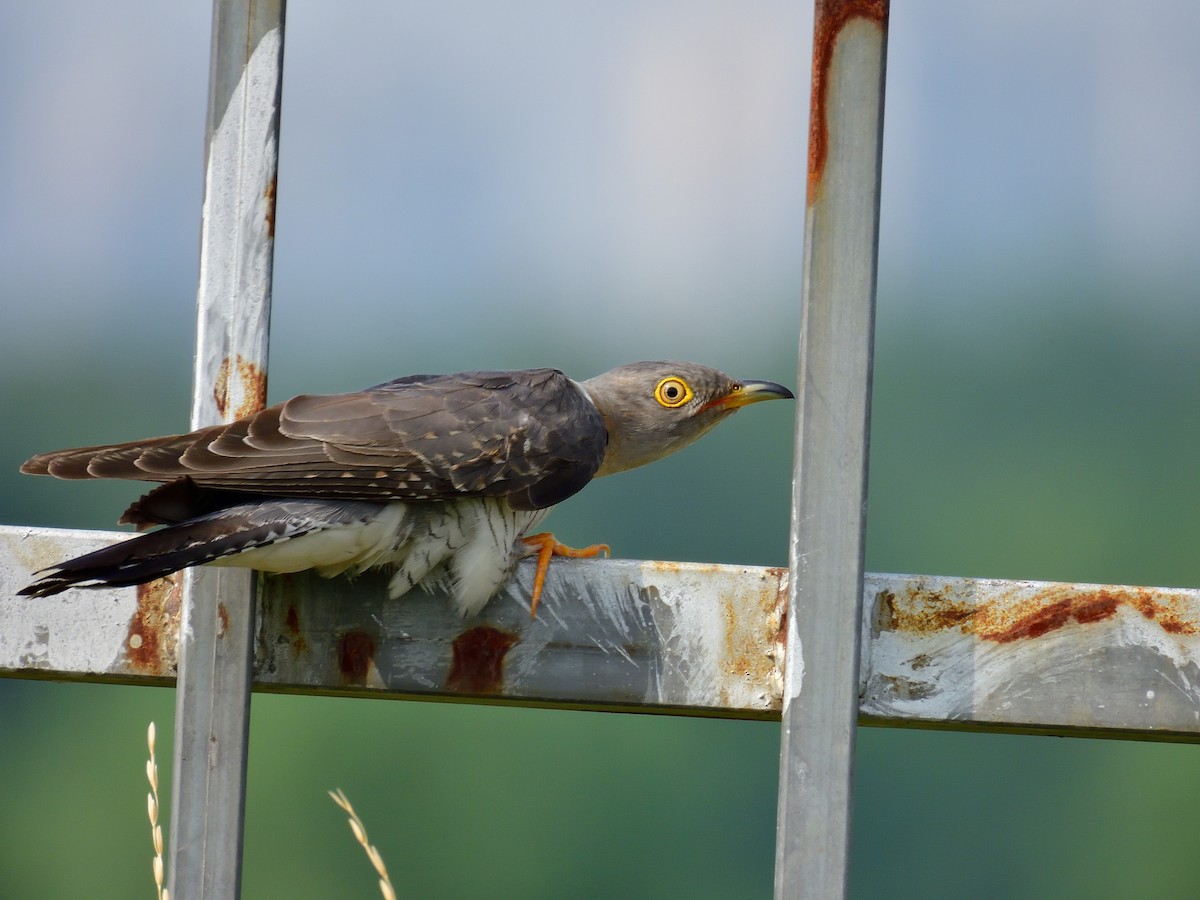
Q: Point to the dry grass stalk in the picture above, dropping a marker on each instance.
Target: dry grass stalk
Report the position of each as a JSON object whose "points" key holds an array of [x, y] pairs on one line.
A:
{"points": [[156, 835], [360, 835]]}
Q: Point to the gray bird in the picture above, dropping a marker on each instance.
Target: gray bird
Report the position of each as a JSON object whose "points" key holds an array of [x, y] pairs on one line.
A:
{"points": [[435, 477]]}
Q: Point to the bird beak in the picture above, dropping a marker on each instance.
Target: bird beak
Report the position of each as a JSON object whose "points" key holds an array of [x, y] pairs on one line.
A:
{"points": [[746, 392]]}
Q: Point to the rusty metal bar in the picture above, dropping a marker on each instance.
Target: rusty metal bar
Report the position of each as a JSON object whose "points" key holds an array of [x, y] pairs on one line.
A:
{"points": [[610, 634], [833, 412], [212, 712], [655, 637], [1032, 657], [621, 634]]}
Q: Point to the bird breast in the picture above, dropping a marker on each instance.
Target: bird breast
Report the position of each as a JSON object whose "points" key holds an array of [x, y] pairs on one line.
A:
{"points": [[467, 548]]}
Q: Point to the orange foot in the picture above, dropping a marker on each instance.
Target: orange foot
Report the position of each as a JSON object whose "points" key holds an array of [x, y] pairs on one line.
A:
{"points": [[545, 546]]}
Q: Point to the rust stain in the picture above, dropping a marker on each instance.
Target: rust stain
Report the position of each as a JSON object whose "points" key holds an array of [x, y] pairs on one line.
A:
{"points": [[668, 567], [899, 688], [1094, 609], [221, 388], [356, 653], [734, 661], [1034, 623], [477, 666], [924, 612], [750, 655], [831, 18], [152, 635], [269, 196], [1005, 619], [292, 622], [779, 640], [780, 635], [1167, 610], [223, 615], [241, 381]]}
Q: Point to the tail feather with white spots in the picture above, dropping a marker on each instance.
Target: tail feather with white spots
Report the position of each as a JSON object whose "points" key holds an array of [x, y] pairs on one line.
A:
{"points": [[253, 535]]}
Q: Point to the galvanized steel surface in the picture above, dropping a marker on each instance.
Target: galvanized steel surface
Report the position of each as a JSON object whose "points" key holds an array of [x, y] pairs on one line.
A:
{"points": [[829, 485], [609, 634], [233, 321], [977, 654], [1028, 656]]}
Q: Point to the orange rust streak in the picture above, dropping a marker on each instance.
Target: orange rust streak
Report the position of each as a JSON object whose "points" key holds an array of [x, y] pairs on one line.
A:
{"points": [[240, 388], [669, 567], [831, 18], [1003, 621], [752, 655], [925, 612], [547, 547], [269, 196], [150, 635], [477, 666], [1034, 624], [221, 388], [292, 622]]}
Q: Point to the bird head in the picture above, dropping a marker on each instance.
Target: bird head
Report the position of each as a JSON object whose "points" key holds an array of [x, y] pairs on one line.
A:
{"points": [[652, 409]]}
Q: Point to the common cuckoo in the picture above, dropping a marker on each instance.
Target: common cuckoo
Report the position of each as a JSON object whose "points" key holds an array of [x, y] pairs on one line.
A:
{"points": [[437, 478]]}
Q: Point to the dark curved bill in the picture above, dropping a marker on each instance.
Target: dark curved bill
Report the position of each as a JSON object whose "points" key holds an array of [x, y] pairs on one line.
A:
{"points": [[748, 392]]}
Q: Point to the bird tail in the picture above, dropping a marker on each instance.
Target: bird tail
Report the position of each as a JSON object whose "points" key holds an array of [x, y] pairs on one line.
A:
{"points": [[205, 539]]}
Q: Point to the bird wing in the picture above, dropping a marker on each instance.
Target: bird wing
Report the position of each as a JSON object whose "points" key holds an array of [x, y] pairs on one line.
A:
{"points": [[532, 436]]}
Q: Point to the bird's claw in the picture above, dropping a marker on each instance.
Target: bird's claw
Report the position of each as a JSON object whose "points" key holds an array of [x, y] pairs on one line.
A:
{"points": [[545, 546]]}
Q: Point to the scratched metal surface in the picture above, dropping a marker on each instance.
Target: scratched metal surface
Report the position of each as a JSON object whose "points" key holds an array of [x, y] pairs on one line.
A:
{"points": [[1031, 656], [828, 527], [977, 654], [233, 301], [126, 634], [609, 634], [643, 636]]}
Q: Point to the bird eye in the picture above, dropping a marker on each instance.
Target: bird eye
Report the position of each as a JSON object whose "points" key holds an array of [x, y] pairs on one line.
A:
{"points": [[672, 392]]}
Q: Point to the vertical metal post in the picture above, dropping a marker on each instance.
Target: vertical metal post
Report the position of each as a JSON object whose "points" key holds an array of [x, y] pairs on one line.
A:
{"points": [[212, 708], [829, 492]]}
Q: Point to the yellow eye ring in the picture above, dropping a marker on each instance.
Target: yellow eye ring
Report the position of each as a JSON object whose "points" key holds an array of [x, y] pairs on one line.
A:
{"points": [[672, 392]]}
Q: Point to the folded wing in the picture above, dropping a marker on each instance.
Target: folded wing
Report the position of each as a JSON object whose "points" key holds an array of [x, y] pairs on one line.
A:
{"points": [[532, 436]]}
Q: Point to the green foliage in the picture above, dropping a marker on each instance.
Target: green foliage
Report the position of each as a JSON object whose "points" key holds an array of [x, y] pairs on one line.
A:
{"points": [[1060, 448]]}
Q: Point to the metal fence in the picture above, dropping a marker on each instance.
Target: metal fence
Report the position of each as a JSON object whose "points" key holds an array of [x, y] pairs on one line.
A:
{"points": [[821, 646]]}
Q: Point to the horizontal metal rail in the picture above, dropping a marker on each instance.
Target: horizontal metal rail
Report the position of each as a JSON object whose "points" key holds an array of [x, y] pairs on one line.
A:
{"points": [[655, 637]]}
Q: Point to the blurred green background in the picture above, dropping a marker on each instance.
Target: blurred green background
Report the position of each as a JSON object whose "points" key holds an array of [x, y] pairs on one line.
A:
{"points": [[489, 185]]}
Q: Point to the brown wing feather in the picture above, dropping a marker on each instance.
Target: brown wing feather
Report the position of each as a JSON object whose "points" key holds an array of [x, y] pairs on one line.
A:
{"points": [[532, 436]]}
